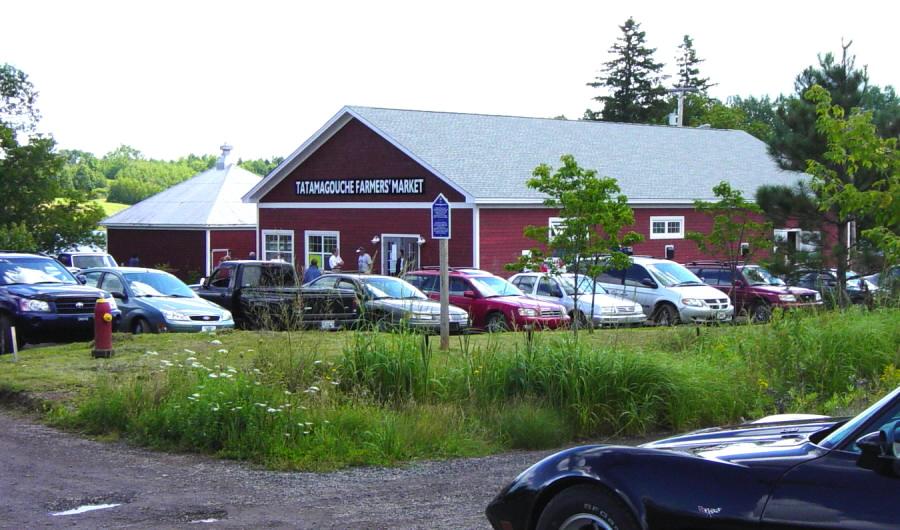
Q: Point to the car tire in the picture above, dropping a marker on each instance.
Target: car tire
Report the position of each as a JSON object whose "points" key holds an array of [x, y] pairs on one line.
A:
{"points": [[760, 312], [140, 326], [665, 315], [6, 335], [585, 506], [579, 318], [496, 322]]}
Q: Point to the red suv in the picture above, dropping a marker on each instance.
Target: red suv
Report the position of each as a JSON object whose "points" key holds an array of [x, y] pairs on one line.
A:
{"points": [[756, 290], [493, 303]]}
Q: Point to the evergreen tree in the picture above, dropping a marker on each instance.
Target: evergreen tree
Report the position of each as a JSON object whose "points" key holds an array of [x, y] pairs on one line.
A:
{"points": [[688, 71], [632, 78]]}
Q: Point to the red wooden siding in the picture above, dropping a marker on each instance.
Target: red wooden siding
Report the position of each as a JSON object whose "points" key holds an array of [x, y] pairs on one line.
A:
{"points": [[356, 151], [502, 241], [238, 242], [182, 251], [357, 227]]}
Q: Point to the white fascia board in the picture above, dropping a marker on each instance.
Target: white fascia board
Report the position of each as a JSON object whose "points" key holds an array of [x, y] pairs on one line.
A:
{"points": [[181, 227], [407, 152], [357, 205], [310, 146]]}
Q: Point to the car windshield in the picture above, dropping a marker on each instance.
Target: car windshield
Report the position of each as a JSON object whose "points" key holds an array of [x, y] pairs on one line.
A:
{"points": [[33, 270], [585, 285], [92, 260], [147, 284], [490, 286], [760, 276], [839, 436], [382, 287], [672, 274]]}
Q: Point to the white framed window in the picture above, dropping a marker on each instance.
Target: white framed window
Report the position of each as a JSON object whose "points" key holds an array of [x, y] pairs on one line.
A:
{"points": [[556, 225], [668, 227], [319, 244], [278, 245]]}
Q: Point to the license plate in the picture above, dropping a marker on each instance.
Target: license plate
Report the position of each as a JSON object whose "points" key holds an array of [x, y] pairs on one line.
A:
{"points": [[723, 315], [207, 328], [326, 324], [83, 319]]}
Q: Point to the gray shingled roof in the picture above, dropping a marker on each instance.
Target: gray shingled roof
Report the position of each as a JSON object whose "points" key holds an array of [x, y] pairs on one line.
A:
{"points": [[211, 199], [492, 157]]}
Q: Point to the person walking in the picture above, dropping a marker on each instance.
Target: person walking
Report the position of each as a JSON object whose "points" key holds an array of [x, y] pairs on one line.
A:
{"points": [[335, 263], [312, 272], [133, 261], [400, 266], [364, 261]]}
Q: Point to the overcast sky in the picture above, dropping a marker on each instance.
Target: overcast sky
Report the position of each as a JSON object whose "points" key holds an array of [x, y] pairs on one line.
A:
{"points": [[177, 77]]}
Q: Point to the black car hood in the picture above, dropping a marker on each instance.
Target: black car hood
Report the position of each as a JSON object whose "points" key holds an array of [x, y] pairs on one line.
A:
{"points": [[748, 441], [52, 291]]}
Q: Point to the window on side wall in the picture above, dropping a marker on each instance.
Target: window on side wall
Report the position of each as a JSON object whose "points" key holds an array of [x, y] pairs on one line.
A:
{"points": [[670, 227], [319, 245], [278, 245]]}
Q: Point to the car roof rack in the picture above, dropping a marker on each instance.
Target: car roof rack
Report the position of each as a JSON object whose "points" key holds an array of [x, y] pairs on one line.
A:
{"points": [[465, 270]]}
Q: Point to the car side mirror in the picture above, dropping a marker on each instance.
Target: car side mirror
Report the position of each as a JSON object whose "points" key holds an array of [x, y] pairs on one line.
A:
{"points": [[119, 295], [878, 450], [82, 279], [739, 284], [469, 294], [647, 282]]}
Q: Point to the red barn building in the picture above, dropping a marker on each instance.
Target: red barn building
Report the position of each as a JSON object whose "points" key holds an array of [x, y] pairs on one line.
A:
{"points": [[189, 227], [368, 177]]}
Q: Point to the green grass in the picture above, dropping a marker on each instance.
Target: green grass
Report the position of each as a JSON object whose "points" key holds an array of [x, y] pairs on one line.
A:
{"points": [[314, 400], [111, 207]]}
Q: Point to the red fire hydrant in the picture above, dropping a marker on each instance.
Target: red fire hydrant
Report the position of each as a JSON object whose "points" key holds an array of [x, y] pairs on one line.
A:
{"points": [[103, 321]]}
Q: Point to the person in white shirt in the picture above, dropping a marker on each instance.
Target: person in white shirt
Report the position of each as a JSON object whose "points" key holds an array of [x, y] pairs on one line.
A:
{"points": [[335, 263], [364, 261]]}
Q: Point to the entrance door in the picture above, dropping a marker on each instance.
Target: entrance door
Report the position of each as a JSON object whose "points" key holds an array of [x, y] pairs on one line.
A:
{"points": [[399, 253]]}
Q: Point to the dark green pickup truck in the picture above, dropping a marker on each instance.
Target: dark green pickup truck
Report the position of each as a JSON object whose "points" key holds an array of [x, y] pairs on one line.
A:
{"points": [[267, 295]]}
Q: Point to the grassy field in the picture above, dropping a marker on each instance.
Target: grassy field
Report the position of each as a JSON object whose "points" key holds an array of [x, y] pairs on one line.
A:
{"points": [[314, 400], [112, 207]]}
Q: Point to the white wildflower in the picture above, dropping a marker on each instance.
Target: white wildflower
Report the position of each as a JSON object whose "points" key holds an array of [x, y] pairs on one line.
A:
{"points": [[214, 376], [270, 409], [287, 392], [223, 350], [192, 352], [215, 342]]}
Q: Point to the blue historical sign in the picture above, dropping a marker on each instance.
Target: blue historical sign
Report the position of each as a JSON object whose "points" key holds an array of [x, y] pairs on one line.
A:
{"points": [[440, 218]]}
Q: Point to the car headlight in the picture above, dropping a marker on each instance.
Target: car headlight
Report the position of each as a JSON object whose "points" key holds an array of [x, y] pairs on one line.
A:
{"points": [[421, 316], [787, 298], [818, 296], [27, 304], [693, 302], [527, 312], [175, 316], [226, 315]]}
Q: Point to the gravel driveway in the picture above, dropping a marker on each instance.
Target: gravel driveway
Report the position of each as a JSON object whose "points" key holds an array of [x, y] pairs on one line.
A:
{"points": [[45, 471]]}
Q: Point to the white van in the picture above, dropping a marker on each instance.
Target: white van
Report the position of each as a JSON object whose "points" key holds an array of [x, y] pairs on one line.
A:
{"points": [[668, 292]]}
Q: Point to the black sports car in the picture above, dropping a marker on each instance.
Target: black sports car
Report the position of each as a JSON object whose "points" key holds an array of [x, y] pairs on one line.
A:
{"points": [[813, 472]]}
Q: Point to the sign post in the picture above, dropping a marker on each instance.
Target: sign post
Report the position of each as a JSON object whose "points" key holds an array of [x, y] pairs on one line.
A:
{"points": [[440, 230]]}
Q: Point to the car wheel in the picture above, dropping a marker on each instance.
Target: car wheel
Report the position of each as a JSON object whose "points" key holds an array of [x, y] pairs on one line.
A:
{"points": [[6, 335], [140, 326], [585, 507], [496, 322], [665, 316], [580, 319], [760, 312]]}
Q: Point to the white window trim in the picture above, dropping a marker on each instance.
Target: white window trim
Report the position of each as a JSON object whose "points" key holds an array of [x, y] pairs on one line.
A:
{"points": [[262, 255], [553, 223], [307, 233], [667, 219]]}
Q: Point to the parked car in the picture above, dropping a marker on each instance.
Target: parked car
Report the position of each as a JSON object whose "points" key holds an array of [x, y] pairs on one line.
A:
{"points": [[668, 292], [387, 302], [78, 261], [604, 309], [154, 301], [493, 303], [825, 281], [44, 301], [887, 281], [809, 473], [755, 291]]}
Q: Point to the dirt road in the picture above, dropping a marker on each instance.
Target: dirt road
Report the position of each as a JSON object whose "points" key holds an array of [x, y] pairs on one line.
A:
{"points": [[45, 471]]}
